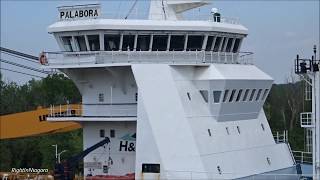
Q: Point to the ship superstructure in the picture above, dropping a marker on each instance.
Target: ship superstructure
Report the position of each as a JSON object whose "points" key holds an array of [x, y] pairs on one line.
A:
{"points": [[177, 98]]}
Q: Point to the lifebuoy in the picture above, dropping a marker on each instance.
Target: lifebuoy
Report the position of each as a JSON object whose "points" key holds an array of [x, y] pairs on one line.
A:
{"points": [[43, 59]]}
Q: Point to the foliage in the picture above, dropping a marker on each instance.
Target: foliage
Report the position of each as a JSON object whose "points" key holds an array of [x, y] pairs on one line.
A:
{"points": [[37, 152]]}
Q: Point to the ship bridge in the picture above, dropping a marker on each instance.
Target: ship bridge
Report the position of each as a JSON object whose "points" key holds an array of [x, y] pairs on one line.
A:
{"points": [[99, 41]]}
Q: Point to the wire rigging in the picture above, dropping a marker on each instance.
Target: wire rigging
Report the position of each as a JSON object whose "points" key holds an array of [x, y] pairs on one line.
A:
{"points": [[33, 58], [20, 72], [23, 66], [131, 9], [4, 52]]}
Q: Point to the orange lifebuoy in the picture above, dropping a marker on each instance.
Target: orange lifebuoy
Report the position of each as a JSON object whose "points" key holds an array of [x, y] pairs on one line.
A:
{"points": [[43, 59]]}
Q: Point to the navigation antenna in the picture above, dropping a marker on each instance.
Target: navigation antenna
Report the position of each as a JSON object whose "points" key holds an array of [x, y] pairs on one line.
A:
{"points": [[131, 9]]}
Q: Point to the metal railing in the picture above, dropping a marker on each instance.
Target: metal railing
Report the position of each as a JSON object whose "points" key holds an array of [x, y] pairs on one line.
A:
{"points": [[281, 137], [161, 57], [95, 110], [302, 157], [306, 120]]}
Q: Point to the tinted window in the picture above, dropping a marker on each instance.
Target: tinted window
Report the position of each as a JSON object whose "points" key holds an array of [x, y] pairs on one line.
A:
{"points": [[217, 44], [159, 43], [232, 95], [81, 43], [225, 95], [204, 94], [245, 95], [194, 43], [111, 42], [229, 44], [128, 42], [236, 45], [239, 95], [94, 42], [223, 43], [216, 96], [151, 168], [143, 43], [177, 43], [252, 94], [209, 43], [258, 95], [67, 43]]}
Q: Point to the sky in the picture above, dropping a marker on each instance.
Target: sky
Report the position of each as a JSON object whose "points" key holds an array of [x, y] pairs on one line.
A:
{"points": [[278, 29]]}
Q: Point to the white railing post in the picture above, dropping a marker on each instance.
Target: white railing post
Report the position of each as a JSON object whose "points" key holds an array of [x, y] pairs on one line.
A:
{"points": [[60, 110], [277, 137]]}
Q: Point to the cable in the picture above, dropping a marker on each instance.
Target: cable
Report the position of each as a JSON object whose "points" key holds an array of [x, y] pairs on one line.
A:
{"points": [[34, 58], [10, 54], [23, 66], [21, 72], [134, 4]]}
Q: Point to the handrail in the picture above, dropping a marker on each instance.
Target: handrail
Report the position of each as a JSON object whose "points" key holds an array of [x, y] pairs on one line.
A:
{"points": [[169, 57]]}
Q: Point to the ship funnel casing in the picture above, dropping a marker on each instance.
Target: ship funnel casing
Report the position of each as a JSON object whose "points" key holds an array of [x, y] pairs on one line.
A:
{"points": [[172, 9]]}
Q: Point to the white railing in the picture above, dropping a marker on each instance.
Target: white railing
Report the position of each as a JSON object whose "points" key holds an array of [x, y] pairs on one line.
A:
{"points": [[306, 120], [161, 57], [95, 110], [281, 137], [302, 157]]}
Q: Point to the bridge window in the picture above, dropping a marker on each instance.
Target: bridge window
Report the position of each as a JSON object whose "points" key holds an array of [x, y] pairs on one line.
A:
{"points": [[217, 44], [66, 40], [245, 95], [216, 96], [239, 95], [258, 95], [236, 45], [160, 43], [94, 42], [223, 43], [225, 95], [81, 43], [209, 43], [232, 95], [204, 94], [143, 43], [229, 44], [128, 42], [177, 43], [252, 94], [111, 42], [194, 43]]}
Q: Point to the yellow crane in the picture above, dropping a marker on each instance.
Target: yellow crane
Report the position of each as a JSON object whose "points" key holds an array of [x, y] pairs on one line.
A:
{"points": [[33, 123]]}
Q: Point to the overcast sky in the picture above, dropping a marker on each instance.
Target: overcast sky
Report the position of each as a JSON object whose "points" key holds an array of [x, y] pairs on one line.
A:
{"points": [[278, 30]]}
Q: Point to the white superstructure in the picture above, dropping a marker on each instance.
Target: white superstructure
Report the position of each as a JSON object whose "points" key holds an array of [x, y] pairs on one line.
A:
{"points": [[177, 98]]}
